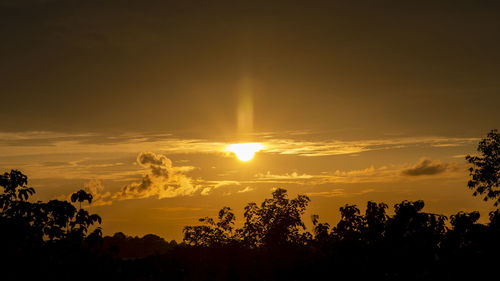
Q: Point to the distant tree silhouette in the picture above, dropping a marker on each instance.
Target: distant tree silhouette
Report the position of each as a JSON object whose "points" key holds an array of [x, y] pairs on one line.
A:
{"points": [[485, 170], [128, 247]]}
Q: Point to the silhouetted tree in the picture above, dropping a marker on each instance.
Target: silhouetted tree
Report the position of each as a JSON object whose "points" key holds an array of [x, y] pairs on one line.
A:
{"points": [[47, 237], [277, 222], [20, 220], [465, 230], [212, 233], [485, 170], [375, 220], [54, 220], [350, 225], [81, 196], [410, 224], [320, 230], [13, 200]]}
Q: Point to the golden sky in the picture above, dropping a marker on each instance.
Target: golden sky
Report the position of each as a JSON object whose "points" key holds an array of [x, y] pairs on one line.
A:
{"points": [[138, 101]]}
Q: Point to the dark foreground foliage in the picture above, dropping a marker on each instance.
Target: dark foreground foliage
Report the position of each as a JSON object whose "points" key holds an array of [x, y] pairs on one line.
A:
{"points": [[57, 241], [52, 241]]}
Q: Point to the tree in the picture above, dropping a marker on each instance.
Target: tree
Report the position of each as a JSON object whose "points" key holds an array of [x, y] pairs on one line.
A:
{"points": [[320, 230], [353, 226], [80, 196], [375, 221], [412, 227], [212, 233], [485, 170], [15, 193], [39, 221], [277, 222], [350, 225], [465, 230]]}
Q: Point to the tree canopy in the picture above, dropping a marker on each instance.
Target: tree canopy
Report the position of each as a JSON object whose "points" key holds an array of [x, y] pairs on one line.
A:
{"points": [[485, 170], [40, 221]]}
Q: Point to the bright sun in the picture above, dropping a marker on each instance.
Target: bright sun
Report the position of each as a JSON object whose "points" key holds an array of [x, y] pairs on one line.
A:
{"points": [[245, 151]]}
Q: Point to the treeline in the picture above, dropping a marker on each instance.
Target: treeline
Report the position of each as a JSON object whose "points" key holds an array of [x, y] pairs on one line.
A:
{"points": [[60, 240], [53, 241], [128, 247], [409, 245]]}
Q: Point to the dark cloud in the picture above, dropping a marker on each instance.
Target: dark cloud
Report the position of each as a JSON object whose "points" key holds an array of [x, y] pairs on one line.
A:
{"points": [[426, 166], [152, 160]]}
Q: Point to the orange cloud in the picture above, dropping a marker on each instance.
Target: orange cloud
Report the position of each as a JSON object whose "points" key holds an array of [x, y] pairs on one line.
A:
{"points": [[162, 180]]}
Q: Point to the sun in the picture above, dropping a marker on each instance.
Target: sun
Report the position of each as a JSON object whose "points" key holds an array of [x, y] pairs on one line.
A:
{"points": [[245, 151]]}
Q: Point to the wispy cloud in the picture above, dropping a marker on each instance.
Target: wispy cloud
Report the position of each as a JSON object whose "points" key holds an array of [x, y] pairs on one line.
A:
{"points": [[245, 190], [391, 173], [338, 147], [84, 168], [218, 184], [176, 209], [287, 176], [370, 174], [338, 192], [36, 143], [209, 186]]}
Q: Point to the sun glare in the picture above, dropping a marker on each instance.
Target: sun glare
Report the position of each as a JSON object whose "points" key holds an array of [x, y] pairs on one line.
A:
{"points": [[245, 151]]}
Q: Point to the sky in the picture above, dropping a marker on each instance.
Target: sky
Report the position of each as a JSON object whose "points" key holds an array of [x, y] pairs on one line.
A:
{"points": [[137, 101]]}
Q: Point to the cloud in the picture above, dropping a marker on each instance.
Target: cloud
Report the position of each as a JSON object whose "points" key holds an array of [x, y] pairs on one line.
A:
{"points": [[162, 180], [370, 174], [287, 176], [338, 192], [212, 185], [96, 188], [226, 183], [50, 143], [334, 193], [176, 209], [100, 198], [206, 191], [245, 190], [339, 147], [426, 166]]}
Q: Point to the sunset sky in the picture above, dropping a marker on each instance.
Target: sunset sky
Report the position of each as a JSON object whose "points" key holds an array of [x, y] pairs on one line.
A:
{"points": [[350, 101]]}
